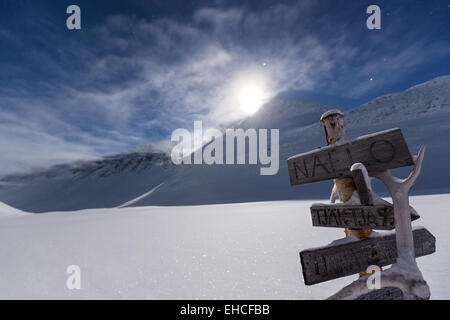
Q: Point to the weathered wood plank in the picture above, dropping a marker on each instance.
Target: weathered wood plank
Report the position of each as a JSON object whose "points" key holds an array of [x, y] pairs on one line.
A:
{"points": [[381, 151], [340, 260], [387, 293], [378, 217], [361, 186]]}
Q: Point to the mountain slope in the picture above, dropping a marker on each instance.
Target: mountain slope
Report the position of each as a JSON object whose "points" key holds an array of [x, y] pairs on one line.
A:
{"points": [[8, 211], [429, 98], [422, 112], [109, 182]]}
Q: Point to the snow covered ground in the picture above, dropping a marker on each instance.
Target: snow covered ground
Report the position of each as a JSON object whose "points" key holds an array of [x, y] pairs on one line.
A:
{"points": [[230, 251]]}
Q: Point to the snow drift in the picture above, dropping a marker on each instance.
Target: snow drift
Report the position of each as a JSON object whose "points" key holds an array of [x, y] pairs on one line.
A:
{"points": [[228, 251]]}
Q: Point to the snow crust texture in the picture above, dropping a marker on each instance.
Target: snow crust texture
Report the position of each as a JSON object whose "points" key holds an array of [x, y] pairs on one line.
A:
{"points": [[228, 251]]}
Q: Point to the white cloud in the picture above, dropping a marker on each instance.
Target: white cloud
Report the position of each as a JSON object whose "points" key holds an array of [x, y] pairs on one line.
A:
{"points": [[143, 79]]}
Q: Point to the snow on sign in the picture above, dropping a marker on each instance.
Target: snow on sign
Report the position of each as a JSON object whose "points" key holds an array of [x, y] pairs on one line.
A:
{"points": [[387, 293], [361, 210], [340, 260], [378, 152], [377, 217]]}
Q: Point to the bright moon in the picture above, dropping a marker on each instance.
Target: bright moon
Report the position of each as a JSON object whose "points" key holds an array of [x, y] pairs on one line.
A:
{"points": [[251, 99]]}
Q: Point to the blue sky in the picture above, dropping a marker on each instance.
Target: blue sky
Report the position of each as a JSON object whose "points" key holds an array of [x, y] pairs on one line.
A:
{"points": [[137, 70]]}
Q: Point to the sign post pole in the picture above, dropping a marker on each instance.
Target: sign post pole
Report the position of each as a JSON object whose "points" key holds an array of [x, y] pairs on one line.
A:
{"points": [[333, 122], [351, 164]]}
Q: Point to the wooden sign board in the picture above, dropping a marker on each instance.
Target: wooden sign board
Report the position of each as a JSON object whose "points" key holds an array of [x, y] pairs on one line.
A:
{"points": [[377, 217], [378, 152], [365, 196], [387, 293], [340, 260]]}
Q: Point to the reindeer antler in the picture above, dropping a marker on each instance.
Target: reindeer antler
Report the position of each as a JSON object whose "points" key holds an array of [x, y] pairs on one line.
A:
{"points": [[399, 190], [417, 168]]}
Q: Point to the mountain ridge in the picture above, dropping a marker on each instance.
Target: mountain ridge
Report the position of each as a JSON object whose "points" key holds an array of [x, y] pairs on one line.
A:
{"points": [[117, 179]]}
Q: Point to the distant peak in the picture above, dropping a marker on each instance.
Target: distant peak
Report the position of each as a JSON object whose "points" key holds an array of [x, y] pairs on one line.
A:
{"points": [[436, 81]]}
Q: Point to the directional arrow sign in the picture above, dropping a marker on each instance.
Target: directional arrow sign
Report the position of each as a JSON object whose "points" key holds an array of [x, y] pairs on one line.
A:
{"points": [[380, 151], [378, 217], [340, 260]]}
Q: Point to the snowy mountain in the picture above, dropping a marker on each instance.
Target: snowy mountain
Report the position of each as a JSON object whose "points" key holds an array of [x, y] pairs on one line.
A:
{"points": [[429, 98], [8, 211], [422, 112], [108, 182]]}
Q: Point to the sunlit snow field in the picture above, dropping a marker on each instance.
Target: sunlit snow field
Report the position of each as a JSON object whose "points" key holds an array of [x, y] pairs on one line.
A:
{"points": [[231, 251]]}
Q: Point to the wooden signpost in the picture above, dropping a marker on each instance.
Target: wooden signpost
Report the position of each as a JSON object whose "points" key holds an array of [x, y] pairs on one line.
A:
{"points": [[361, 210], [378, 152], [335, 261], [377, 217]]}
